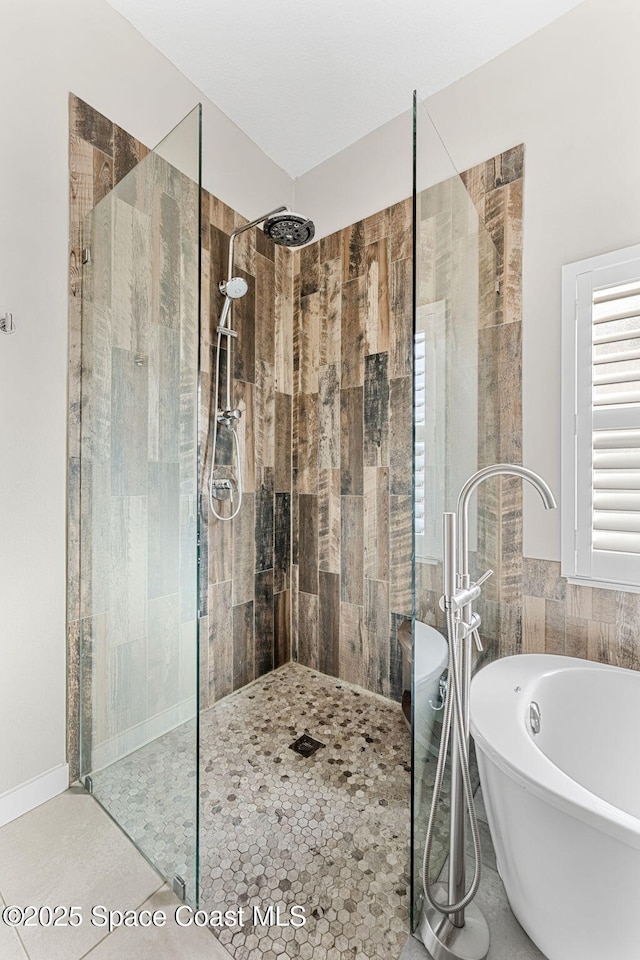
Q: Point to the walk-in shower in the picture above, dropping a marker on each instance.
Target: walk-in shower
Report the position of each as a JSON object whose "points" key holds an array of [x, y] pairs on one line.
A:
{"points": [[287, 229]]}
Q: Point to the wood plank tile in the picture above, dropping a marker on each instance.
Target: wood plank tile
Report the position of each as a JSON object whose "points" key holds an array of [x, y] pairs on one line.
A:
{"points": [[283, 403], [329, 520], [329, 623], [264, 524], [400, 435], [601, 642], [244, 399], [265, 246], [377, 319], [73, 699], [264, 415], [220, 547], [308, 629], [129, 425], [542, 578], [165, 273], [309, 338], [308, 553], [102, 175], [128, 560], [330, 311], [244, 254], [628, 630], [351, 440], [510, 628], [264, 624], [126, 153], [282, 628], [533, 632], [331, 247], [577, 637], [243, 645], [282, 542], [353, 258], [401, 319], [244, 551], [351, 550], [295, 614], [377, 627], [243, 321], [309, 269], [307, 445], [329, 418], [89, 125], [579, 601], [163, 529], [376, 410], [395, 657], [284, 320], [376, 227], [512, 289], [555, 627], [353, 313], [223, 218], [376, 523], [352, 641], [265, 309], [400, 552]]}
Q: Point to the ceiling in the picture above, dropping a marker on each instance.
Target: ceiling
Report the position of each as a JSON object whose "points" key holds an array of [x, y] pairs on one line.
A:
{"points": [[306, 78]]}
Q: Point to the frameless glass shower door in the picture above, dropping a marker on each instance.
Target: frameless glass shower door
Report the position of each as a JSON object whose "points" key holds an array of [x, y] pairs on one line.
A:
{"points": [[139, 504], [456, 310]]}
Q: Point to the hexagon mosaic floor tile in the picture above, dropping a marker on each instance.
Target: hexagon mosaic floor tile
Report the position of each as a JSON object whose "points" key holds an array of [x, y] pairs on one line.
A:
{"points": [[329, 831]]}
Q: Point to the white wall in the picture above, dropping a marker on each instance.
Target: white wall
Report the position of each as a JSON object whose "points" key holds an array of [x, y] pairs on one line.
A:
{"points": [[47, 49], [571, 93]]}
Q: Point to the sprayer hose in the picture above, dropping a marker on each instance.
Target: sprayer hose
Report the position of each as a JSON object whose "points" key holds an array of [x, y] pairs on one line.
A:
{"points": [[451, 702]]}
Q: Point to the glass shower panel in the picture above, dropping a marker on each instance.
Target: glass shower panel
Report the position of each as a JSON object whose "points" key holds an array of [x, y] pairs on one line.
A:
{"points": [[454, 298], [139, 504]]}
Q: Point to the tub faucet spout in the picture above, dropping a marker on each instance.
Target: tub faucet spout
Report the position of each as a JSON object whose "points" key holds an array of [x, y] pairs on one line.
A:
{"points": [[474, 481]]}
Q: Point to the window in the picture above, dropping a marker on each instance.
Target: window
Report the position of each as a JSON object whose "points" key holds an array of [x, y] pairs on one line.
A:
{"points": [[601, 420]]}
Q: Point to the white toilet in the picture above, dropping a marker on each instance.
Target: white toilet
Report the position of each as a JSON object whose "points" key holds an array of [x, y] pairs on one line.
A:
{"points": [[431, 659]]}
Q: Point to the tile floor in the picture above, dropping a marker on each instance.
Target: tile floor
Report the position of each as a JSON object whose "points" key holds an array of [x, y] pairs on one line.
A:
{"points": [[329, 832], [508, 939], [68, 852]]}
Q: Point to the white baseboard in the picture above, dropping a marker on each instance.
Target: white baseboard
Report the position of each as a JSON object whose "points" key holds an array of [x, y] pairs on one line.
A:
{"points": [[31, 794], [105, 753]]}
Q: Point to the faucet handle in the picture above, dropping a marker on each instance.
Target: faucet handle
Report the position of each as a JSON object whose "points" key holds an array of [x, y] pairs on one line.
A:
{"points": [[485, 576], [477, 641]]}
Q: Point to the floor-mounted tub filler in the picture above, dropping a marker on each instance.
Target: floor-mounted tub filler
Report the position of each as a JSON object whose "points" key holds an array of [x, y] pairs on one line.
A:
{"points": [[561, 782], [451, 925]]}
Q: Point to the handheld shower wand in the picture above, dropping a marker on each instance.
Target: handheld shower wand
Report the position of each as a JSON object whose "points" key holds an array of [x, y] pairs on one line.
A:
{"points": [[288, 230], [456, 929]]}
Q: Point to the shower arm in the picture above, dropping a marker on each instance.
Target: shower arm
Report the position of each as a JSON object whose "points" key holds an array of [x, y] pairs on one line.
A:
{"points": [[248, 226]]}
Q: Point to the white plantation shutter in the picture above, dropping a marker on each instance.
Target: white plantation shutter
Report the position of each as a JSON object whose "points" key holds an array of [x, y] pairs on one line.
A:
{"points": [[601, 421]]}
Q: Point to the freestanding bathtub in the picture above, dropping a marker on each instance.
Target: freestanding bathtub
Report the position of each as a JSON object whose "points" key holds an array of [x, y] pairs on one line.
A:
{"points": [[563, 804]]}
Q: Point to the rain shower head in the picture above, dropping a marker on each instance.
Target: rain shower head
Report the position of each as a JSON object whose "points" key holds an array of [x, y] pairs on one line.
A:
{"points": [[289, 229]]}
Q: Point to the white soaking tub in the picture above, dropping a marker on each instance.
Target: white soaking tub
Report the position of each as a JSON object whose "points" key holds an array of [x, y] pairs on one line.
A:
{"points": [[564, 804]]}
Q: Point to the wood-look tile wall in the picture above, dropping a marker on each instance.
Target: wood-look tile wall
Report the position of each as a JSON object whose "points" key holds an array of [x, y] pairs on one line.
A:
{"points": [[245, 565], [352, 443], [529, 606], [100, 154]]}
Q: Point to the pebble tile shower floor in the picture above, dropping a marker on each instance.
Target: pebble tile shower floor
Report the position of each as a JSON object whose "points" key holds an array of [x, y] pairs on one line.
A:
{"points": [[329, 831]]}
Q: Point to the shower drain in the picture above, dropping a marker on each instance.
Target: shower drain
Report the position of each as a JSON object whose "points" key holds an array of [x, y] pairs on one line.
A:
{"points": [[306, 745]]}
